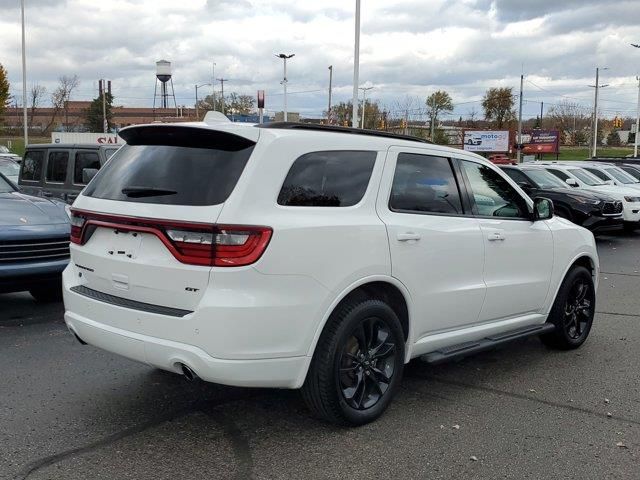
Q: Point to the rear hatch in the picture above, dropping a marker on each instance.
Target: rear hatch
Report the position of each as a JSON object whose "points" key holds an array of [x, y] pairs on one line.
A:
{"points": [[144, 228]]}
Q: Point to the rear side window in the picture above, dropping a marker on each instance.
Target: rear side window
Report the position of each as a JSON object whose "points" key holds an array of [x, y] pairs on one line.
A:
{"points": [[57, 167], [84, 160], [32, 166], [597, 173], [516, 176], [173, 166], [558, 173], [424, 184], [328, 179]]}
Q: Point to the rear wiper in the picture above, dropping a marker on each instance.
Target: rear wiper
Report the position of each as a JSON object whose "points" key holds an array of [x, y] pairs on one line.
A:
{"points": [[137, 192]]}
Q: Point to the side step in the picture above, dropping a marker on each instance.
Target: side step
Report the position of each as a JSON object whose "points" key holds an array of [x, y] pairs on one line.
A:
{"points": [[469, 348]]}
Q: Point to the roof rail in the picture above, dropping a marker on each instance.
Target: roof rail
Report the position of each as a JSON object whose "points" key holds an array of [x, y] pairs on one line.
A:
{"points": [[337, 129]]}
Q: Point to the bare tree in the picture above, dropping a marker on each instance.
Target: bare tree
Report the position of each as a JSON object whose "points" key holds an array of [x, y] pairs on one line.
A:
{"points": [[36, 97], [569, 117], [61, 96], [473, 115]]}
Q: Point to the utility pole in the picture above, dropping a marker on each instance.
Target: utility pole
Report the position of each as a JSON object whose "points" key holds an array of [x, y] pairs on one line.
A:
{"points": [[519, 159], [222, 105], [406, 123], [213, 84], [635, 142], [330, 86], [103, 87], [541, 112], [364, 103], [24, 82], [597, 86], [197, 109], [285, 57], [356, 68]]}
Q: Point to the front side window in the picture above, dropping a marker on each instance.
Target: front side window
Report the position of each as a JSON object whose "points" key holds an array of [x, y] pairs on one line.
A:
{"points": [[598, 173], [9, 168], [328, 179], [492, 193], [559, 173], [517, 176], [544, 179], [633, 172], [5, 186], [32, 166], [57, 167], [424, 184], [84, 160], [621, 176], [586, 177]]}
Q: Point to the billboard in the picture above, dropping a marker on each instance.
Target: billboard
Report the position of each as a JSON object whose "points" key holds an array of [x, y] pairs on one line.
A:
{"points": [[540, 141], [97, 138], [486, 140]]}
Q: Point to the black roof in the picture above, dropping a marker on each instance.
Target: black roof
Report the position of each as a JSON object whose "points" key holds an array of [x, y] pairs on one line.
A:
{"points": [[73, 145], [337, 129]]}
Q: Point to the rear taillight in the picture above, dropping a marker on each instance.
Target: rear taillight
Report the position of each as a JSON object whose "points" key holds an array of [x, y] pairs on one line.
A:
{"points": [[191, 243], [221, 246], [77, 222]]}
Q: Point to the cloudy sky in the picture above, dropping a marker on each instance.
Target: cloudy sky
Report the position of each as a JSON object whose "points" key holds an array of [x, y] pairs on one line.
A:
{"points": [[409, 48]]}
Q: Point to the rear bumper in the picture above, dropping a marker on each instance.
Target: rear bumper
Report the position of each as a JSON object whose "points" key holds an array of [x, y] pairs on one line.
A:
{"points": [[168, 355]]}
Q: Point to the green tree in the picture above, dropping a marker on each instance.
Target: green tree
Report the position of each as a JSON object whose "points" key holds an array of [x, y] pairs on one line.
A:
{"points": [[438, 102], [233, 103], [439, 137], [613, 139], [4, 89], [498, 106], [93, 115]]}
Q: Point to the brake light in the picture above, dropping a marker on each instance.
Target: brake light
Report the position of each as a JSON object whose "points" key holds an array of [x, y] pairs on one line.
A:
{"points": [[190, 243]]}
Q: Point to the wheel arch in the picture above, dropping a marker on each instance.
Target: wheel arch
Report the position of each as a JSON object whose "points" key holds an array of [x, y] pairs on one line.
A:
{"points": [[382, 287], [584, 260]]}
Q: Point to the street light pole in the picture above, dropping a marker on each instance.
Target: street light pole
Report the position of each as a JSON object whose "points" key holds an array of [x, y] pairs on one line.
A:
{"points": [[595, 112], [105, 125], [519, 149], [330, 86], [222, 105], [197, 87], [213, 85], [635, 142], [364, 103], [24, 81], [285, 57], [356, 68]]}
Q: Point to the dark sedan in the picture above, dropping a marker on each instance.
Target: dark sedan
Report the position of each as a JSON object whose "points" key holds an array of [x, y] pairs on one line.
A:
{"points": [[34, 243], [595, 211]]}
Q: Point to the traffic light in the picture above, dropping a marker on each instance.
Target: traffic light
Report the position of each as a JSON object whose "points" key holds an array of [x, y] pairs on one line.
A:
{"points": [[617, 122]]}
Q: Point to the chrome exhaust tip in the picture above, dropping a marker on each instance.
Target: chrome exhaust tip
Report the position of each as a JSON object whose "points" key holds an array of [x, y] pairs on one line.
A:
{"points": [[189, 374]]}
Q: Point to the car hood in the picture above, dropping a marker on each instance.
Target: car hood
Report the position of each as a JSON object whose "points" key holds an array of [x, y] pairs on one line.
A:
{"points": [[19, 209], [583, 193], [613, 190]]}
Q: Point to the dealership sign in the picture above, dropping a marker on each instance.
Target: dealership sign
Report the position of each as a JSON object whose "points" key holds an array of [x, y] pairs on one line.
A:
{"points": [[540, 141], [486, 140]]}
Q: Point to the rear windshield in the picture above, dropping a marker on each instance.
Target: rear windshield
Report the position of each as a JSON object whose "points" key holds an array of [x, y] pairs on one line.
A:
{"points": [[173, 166]]}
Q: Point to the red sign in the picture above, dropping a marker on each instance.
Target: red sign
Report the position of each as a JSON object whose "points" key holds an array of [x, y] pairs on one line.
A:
{"points": [[541, 141]]}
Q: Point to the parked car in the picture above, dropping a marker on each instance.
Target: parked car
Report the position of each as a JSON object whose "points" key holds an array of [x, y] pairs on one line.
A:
{"points": [[631, 169], [34, 243], [61, 171], [501, 159], [316, 257], [610, 174], [579, 178], [595, 211], [10, 169], [5, 153]]}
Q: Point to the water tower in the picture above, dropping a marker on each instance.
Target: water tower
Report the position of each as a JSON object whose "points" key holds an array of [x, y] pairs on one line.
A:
{"points": [[163, 76]]}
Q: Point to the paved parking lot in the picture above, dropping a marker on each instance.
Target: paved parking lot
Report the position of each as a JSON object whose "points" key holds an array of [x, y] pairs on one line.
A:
{"points": [[74, 412]]}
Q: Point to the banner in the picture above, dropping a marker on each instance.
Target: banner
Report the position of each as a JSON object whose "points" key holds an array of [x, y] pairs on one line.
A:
{"points": [[486, 140], [540, 141]]}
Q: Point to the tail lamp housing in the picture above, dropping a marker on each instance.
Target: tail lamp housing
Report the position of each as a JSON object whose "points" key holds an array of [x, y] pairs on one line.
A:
{"points": [[191, 243]]}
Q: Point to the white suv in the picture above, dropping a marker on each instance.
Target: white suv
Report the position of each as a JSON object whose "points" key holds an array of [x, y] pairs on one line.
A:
{"points": [[318, 258]]}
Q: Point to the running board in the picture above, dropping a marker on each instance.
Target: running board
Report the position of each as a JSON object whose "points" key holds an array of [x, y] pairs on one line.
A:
{"points": [[487, 343]]}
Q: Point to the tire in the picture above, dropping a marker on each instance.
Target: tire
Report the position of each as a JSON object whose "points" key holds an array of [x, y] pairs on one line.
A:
{"points": [[346, 383], [48, 293], [573, 311]]}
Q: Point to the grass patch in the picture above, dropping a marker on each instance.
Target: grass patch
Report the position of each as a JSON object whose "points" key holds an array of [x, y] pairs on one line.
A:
{"points": [[17, 143], [582, 153]]}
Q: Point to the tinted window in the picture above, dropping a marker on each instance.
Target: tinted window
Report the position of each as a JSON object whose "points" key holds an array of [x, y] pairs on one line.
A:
{"points": [[517, 176], [585, 177], [170, 175], [32, 166], [109, 152], [328, 179], [9, 167], [84, 160], [492, 194], [57, 167], [558, 173], [423, 183], [632, 171], [620, 175], [544, 179], [597, 173], [5, 186]]}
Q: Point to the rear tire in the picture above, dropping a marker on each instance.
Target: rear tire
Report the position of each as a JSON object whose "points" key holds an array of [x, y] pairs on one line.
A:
{"points": [[573, 311], [48, 292], [357, 365]]}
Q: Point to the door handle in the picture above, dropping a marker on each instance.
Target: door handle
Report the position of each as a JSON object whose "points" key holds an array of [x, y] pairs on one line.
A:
{"points": [[496, 236], [406, 237]]}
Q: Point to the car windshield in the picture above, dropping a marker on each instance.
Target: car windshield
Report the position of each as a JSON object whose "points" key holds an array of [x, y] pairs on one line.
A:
{"points": [[10, 169], [620, 175], [585, 177], [5, 186], [544, 179]]}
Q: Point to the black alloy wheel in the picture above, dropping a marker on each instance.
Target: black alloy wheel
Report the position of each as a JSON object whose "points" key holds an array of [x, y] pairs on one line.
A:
{"points": [[572, 311], [367, 363], [357, 364]]}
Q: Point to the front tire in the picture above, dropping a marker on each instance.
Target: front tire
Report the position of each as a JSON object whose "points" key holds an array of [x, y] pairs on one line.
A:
{"points": [[573, 311], [357, 365]]}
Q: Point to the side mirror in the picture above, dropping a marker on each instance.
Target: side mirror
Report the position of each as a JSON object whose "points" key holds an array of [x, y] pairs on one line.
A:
{"points": [[542, 209], [527, 187], [610, 182], [572, 182], [88, 174]]}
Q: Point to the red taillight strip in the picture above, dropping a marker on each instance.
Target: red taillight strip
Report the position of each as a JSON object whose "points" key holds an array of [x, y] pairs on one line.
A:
{"points": [[193, 254]]}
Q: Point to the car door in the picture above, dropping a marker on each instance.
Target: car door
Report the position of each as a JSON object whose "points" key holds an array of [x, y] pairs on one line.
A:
{"points": [[518, 251], [55, 178], [436, 245], [32, 172]]}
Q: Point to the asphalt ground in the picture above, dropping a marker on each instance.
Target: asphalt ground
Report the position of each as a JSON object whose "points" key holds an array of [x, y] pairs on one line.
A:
{"points": [[74, 412]]}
